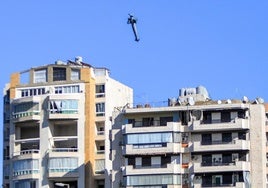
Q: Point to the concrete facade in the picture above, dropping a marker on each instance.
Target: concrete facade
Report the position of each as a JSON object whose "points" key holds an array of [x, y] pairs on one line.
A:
{"points": [[57, 124], [192, 142]]}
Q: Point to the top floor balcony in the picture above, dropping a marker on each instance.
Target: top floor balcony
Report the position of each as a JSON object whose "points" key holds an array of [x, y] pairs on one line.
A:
{"points": [[156, 126], [236, 124], [220, 146]]}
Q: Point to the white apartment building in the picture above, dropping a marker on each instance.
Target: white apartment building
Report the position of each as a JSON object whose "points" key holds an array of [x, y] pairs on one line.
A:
{"points": [[57, 124], [192, 142]]}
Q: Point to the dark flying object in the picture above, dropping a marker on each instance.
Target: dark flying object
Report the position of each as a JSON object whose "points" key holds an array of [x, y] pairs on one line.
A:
{"points": [[131, 20]]}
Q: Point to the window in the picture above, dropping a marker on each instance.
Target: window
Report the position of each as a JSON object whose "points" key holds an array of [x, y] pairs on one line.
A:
{"points": [[147, 122], [100, 91], [67, 89], [75, 74], [227, 137], [32, 92], [40, 76], [225, 116], [146, 161], [63, 164], [23, 167], [63, 106], [149, 138], [164, 120], [25, 184], [99, 166], [206, 139], [59, 74], [25, 109], [153, 180], [100, 109]]}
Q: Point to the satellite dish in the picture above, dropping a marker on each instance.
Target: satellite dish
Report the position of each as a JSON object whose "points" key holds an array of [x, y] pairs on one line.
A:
{"points": [[219, 102], [245, 99], [191, 101], [259, 100], [197, 114], [229, 101]]}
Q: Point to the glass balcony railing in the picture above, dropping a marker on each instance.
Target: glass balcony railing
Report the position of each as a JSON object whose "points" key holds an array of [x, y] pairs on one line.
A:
{"points": [[25, 114]]}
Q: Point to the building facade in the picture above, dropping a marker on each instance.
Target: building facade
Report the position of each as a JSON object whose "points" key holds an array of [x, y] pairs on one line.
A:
{"points": [[192, 142], [57, 120]]}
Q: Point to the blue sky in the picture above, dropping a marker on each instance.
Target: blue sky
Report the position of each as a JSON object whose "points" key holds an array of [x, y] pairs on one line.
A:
{"points": [[220, 44]]}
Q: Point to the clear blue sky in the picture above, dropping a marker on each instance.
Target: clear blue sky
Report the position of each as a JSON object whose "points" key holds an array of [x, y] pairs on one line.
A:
{"points": [[221, 44]]}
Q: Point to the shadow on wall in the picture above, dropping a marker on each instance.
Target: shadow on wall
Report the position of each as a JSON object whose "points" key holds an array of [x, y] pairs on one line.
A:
{"points": [[118, 159]]}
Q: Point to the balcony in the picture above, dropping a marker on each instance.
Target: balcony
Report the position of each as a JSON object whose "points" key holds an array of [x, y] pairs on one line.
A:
{"points": [[220, 146], [63, 107], [167, 169], [138, 127], [236, 185], [221, 167], [237, 124], [153, 149], [26, 154], [26, 116]]}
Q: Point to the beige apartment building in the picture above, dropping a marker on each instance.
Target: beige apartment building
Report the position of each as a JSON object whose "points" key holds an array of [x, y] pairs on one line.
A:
{"points": [[192, 142], [57, 120]]}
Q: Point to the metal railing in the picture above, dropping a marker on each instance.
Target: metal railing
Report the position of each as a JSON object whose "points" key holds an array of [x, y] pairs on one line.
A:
{"points": [[25, 114], [100, 132], [217, 142], [26, 152], [64, 149], [25, 172], [153, 123], [218, 164]]}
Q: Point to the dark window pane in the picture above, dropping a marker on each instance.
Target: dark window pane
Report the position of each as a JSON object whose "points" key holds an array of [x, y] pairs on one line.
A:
{"points": [[59, 74]]}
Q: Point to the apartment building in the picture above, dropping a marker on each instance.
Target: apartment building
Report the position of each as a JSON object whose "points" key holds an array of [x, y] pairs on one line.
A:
{"points": [[193, 141], [57, 120]]}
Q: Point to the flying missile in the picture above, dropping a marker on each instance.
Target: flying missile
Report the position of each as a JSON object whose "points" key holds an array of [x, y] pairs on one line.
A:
{"points": [[133, 21]]}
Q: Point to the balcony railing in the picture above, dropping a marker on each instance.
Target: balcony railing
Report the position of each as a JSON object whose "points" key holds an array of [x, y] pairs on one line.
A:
{"points": [[221, 167], [220, 145], [25, 114], [218, 164], [64, 150], [64, 111], [217, 142], [153, 123], [63, 169], [25, 172], [100, 151], [235, 124], [100, 132], [99, 95], [26, 152]]}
